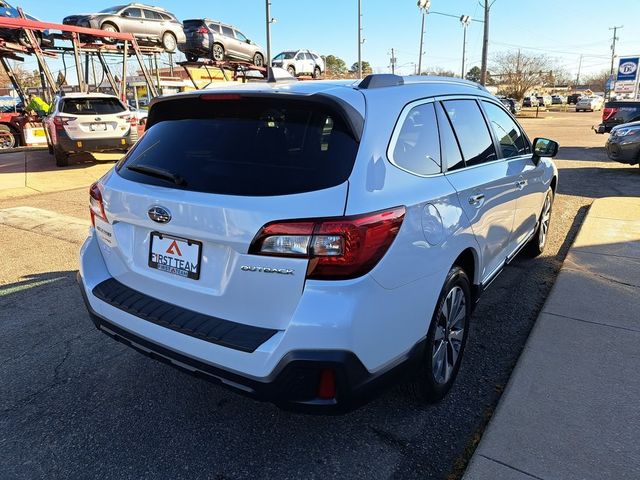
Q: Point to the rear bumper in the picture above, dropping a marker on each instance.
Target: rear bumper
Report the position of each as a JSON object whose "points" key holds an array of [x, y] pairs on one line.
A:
{"points": [[119, 144], [602, 128], [292, 385]]}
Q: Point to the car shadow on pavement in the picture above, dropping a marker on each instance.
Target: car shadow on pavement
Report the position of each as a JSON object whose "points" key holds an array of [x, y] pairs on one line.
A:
{"points": [[583, 154], [623, 181]]}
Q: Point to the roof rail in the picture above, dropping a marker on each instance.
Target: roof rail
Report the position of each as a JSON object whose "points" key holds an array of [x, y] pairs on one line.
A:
{"points": [[451, 80], [380, 80]]}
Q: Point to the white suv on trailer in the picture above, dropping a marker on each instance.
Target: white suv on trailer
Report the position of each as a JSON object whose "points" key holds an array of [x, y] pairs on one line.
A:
{"points": [[304, 242], [88, 122], [300, 62]]}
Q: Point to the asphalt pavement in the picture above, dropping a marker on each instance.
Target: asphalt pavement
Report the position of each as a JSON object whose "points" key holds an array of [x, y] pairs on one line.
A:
{"points": [[76, 404]]}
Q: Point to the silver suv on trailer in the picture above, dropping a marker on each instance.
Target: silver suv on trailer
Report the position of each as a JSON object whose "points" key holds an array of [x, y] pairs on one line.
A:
{"points": [[218, 41], [147, 23], [305, 242]]}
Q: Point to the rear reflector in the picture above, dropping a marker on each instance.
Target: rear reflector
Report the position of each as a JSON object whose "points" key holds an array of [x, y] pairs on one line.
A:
{"points": [[338, 248], [327, 385]]}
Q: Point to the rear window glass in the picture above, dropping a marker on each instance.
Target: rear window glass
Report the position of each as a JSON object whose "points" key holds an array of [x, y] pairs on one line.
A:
{"points": [[91, 106], [251, 147], [193, 23]]}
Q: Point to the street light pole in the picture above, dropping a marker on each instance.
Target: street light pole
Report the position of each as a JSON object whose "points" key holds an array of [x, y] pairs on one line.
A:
{"points": [[423, 5], [465, 20], [268, 19], [359, 38]]}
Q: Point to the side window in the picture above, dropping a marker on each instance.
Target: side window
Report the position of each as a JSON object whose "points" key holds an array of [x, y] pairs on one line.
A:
{"points": [[471, 131], [512, 141], [300, 56], [133, 13], [166, 17], [214, 27], [308, 56], [227, 32], [151, 15], [417, 147], [240, 36], [449, 147]]}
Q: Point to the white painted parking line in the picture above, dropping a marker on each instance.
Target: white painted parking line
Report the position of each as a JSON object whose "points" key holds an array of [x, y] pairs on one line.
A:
{"points": [[46, 222]]}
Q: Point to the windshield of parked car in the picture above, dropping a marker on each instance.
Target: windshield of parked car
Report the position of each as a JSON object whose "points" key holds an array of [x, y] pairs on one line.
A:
{"points": [[247, 146], [92, 106], [285, 56], [112, 10]]}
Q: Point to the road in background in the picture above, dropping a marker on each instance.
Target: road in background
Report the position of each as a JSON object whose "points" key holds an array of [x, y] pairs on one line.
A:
{"points": [[75, 404]]}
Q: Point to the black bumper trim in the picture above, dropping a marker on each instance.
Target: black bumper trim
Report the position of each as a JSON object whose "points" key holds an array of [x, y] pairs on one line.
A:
{"points": [[293, 383], [227, 333]]}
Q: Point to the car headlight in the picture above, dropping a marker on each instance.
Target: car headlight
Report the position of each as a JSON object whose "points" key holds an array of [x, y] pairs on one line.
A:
{"points": [[625, 131]]}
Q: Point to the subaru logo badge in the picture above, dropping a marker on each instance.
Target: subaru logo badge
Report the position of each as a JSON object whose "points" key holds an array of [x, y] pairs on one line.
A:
{"points": [[159, 214]]}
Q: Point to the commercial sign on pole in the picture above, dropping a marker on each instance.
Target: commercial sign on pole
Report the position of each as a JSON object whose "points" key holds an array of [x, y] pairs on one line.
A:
{"points": [[627, 69]]}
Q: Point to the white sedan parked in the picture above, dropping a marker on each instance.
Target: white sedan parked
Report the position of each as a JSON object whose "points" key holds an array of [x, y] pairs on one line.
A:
{"points": [[590, 103]]}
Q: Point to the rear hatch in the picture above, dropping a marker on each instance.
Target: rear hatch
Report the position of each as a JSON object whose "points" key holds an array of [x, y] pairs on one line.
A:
{"points": [[222, 166], [85, 118], [617, 113], [196, 31]]}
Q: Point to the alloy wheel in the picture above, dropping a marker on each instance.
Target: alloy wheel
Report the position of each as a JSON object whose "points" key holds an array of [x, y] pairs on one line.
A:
{"points": [[218, 52], [449, 335], [545, 219]]}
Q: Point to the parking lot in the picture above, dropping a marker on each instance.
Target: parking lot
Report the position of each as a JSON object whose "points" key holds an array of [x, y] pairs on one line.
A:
{"points": [[75, 404]]}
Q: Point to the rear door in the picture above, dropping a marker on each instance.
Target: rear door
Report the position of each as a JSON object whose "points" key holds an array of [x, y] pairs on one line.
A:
{"points": [[133, 22], [527, 178], [244, 47], [154, 23], [230, 42], [222, 169], [482, 181], [94, 117]]}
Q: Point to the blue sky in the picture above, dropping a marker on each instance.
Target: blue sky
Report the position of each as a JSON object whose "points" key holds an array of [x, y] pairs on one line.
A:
{"points": [[563, 29]]}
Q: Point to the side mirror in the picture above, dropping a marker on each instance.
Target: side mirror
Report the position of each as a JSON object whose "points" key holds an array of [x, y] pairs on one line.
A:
{"points": [[543, 147], [248, 41]]}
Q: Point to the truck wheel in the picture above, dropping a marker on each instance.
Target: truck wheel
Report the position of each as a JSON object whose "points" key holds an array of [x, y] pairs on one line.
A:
{"points": [[7, 138], [62, 157]]}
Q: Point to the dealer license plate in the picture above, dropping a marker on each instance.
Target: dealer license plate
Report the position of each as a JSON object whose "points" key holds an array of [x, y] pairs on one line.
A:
{"points": [[98, 127], [175, 255]]}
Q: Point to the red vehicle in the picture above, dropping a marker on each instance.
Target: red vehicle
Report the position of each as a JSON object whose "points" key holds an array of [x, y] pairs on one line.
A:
{"points": [[11, 125]]}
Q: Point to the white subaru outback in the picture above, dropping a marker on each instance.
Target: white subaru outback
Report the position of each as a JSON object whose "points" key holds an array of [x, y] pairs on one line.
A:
{"points": [[303, 243]]}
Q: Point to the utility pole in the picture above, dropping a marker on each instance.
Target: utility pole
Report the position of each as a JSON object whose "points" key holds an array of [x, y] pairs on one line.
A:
{"points": [[423, 5], [613, 46], [485, 41], [359, 38], [613, 56], [393, 61], [465, 20], [579, 70]]}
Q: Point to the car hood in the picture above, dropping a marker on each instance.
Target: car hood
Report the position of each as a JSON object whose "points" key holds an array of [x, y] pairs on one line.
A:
{"points": [[626, 125]]}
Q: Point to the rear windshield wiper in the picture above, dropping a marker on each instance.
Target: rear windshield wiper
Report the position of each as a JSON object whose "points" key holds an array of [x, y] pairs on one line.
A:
{"points": [[158, 173]]}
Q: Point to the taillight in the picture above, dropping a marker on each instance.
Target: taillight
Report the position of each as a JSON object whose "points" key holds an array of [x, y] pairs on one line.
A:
{"points": [[61, 122], [338, 248], [131, 119], [202, 30], [327, 384], [96, 205], [608, 112]]}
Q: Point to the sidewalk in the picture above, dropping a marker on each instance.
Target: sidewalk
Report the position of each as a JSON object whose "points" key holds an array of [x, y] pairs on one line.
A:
{"points": [[571, 409]]}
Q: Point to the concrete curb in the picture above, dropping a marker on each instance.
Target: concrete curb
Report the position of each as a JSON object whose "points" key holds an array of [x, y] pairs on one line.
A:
{"points": [[570, 408]]}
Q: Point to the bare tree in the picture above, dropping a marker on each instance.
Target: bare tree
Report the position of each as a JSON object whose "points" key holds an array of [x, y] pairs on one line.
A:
{"points": [[597, 81], [439, 72], [517, 73]]}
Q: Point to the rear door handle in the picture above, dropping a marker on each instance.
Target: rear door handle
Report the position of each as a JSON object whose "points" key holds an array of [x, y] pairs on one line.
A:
{"points": [[476, 199]]}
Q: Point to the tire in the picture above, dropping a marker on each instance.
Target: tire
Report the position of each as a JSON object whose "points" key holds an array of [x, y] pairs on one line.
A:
{"points": [[24, 40], [317, 72], [217, 52], [62, 157], [539, 240], [109, 27], [258, 60], [191, 57], [292, 70], [7, 138], [446, 339], [169, 42]]}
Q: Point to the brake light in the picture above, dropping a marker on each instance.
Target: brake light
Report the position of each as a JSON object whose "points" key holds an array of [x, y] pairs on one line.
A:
{"points": [[131, 119], [61, 122], [220, 96], [338, 248], [96, 205], [202, 30], [608, 112]]}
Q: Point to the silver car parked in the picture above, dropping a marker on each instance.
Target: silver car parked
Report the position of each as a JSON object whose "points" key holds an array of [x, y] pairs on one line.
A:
{"points": [[147, 23], [218, 41]]}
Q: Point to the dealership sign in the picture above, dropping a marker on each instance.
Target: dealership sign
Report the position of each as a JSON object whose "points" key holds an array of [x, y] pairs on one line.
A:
{"points": [[627, 69]]}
